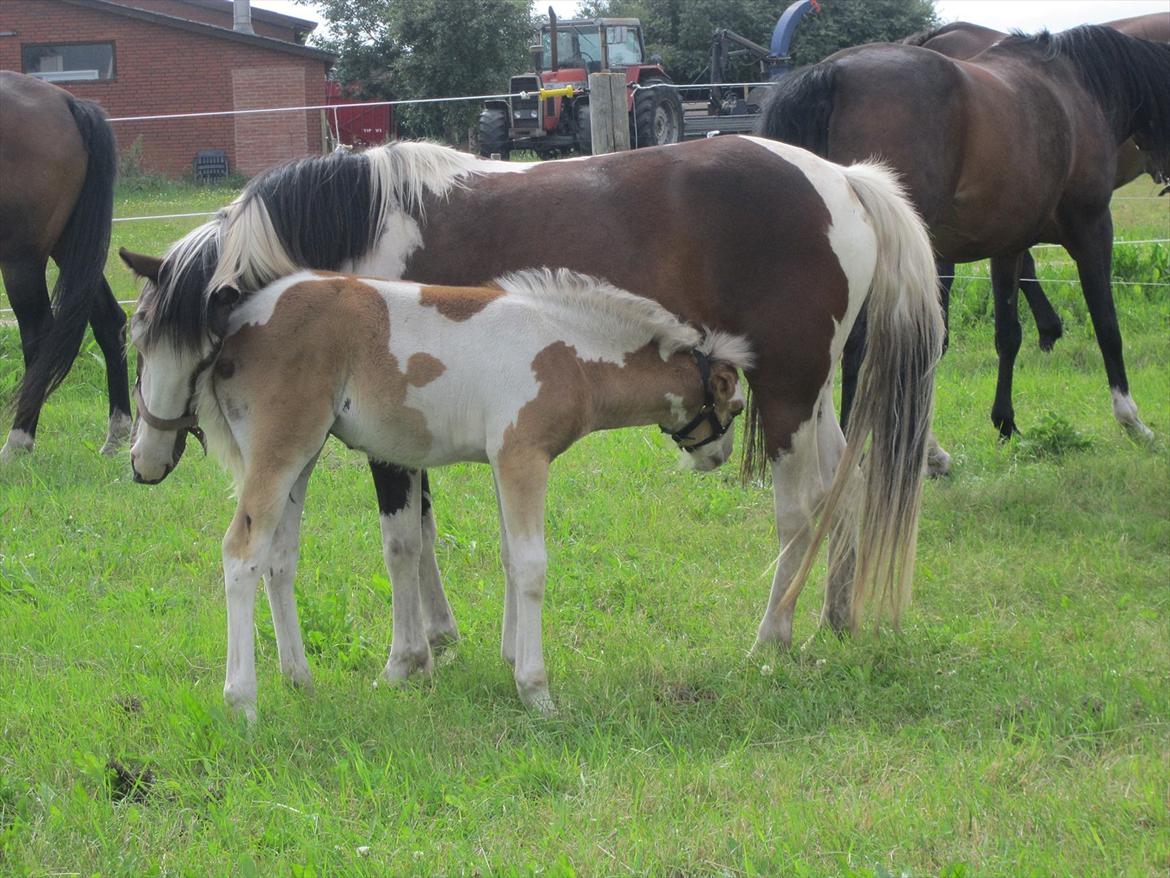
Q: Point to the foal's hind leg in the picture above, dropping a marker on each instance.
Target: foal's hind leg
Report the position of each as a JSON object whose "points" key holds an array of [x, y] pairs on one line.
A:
{"points": [[109, 329], [1048, 325], [25, 283], [401, 546]]}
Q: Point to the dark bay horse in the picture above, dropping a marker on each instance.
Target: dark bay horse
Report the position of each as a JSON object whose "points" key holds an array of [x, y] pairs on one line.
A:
{"points": [[743, 235], [58, 162], [962, 40], [1014, 147]]}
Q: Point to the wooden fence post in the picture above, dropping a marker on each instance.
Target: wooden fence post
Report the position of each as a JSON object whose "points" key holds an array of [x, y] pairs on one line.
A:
{"points": [[608, 120]]}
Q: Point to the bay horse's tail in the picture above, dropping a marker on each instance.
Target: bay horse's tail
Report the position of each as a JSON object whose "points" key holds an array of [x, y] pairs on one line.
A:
{"points": [[877, 491], [799, 108], [80, 254]]}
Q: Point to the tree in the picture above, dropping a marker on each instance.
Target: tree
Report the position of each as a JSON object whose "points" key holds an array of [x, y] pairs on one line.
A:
{"points": [[680, 30], [427, 48]]}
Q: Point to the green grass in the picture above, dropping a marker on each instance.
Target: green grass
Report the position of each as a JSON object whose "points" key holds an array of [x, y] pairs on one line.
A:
{"points": [[1018, 726]]}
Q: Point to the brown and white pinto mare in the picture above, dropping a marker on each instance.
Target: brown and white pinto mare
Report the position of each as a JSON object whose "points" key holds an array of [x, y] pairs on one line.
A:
{"points": [[743, 235], [962, 40], [1011, 148], [420, 376], [58, 162]]}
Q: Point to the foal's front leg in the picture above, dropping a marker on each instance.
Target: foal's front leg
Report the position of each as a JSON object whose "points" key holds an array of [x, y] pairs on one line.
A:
{"points": [[522, 480], [401, 547], [280, 572]]}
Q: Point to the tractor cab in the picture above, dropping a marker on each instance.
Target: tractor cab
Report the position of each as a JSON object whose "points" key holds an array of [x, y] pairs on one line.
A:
{"points": [[591, 45]]}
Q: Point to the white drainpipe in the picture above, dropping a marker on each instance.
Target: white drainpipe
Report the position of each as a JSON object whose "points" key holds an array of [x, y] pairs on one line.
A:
{"points": [[243, 17]]}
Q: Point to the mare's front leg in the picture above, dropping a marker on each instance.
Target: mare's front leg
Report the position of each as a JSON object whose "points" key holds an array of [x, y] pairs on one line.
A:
{"points": [[109, 330], [1048, 325], [401, 519], [280, 573], [1091, 245], [1005, 279], [522, 481], [392, 485]]}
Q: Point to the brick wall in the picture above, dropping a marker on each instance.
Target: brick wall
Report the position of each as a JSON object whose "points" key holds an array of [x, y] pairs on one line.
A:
{"points": [[162, 69]]}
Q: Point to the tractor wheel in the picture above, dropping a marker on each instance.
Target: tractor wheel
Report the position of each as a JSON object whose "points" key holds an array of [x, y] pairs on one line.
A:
{"points": [[658, 116], [493, 132], [584, 128]]}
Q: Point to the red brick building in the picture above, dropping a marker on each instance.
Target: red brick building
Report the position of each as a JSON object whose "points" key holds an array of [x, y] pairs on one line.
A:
{"points": [[155, 57]]}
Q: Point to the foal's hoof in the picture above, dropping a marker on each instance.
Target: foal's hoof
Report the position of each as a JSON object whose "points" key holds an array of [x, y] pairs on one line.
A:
{"points": [[441, 641], [241, 707], [401, 668], [537, 699]]}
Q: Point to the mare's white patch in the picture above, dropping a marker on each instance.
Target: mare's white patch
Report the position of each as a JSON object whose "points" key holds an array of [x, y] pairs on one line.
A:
{"points": [[851, 235]]}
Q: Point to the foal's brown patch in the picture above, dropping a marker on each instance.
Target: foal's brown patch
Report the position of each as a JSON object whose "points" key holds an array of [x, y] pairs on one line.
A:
{"points": [[422, 369], [458, 303]]}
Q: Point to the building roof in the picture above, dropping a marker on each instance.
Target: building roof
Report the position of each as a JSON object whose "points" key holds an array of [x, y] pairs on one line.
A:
{"points": [[301, 24], [211, 30]]}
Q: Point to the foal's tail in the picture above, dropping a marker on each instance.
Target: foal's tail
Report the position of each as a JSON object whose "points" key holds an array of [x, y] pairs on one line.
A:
{"points": [[80, 255], [876, 493]]}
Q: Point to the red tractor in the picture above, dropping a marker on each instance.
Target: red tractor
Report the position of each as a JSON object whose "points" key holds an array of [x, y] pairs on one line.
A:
{"points": [[558, 123]]}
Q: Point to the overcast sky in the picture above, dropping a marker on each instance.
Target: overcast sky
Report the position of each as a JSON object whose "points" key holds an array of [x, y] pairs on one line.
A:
{"points": [[1026, 15]]}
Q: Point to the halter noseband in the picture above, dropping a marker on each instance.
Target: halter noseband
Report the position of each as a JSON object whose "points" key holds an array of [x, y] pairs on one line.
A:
{"points": [[705, 415], [186, 422]]}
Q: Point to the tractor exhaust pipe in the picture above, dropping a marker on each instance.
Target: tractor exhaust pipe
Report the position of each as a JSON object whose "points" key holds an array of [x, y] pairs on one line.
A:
{"points": [[552, 36]]}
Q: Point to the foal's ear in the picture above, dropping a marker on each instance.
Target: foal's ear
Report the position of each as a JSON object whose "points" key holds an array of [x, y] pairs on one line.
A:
{"points": [[219, 308], [141, 264], [724, 383]]}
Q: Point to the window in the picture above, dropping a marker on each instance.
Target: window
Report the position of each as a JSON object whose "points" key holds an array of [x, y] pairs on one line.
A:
{"points": [[70, 62]]}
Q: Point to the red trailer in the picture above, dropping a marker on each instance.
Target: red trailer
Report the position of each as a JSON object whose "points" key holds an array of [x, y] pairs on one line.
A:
{"points": [[356, 126]]}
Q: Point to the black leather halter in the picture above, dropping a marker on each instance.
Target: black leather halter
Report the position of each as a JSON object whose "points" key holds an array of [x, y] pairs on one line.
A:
{"points": [[706, 414]]}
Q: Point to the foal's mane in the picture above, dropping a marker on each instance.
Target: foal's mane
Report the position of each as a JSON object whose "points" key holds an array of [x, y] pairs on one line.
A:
{"points": [[613, 313], [1121, 72]]}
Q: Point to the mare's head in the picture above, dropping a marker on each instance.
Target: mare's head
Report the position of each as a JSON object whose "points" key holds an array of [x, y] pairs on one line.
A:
{"points": [[177, 328], [702, 430]]}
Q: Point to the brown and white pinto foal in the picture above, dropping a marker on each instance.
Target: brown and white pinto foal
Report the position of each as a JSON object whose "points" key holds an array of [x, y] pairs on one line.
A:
{"points": [[420, 376]]}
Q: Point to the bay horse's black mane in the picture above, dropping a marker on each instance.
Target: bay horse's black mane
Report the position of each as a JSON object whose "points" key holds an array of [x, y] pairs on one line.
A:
{"points": [[1120, 71]]}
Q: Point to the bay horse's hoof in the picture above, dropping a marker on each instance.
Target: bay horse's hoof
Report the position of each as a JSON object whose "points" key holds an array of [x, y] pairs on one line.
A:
{"points": [[19, 442], [1049, 338], [117, 434]]}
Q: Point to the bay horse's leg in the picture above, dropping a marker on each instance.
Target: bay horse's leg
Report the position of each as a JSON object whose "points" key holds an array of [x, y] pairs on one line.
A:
{"points": [[523, 481], [401, 546], [442, 632], [1005, 279], [25, 283], [1048, 325], [1091, 246], [280, 573], [109, 329], [798, 485]]}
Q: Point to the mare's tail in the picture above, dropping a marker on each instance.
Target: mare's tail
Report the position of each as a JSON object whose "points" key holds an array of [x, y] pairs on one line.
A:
{"points": [[876, 493], [799, 108], [80, 255]]}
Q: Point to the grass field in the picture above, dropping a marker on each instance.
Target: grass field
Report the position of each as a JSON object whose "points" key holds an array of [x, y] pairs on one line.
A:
{"points": [[1019, 725]]}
